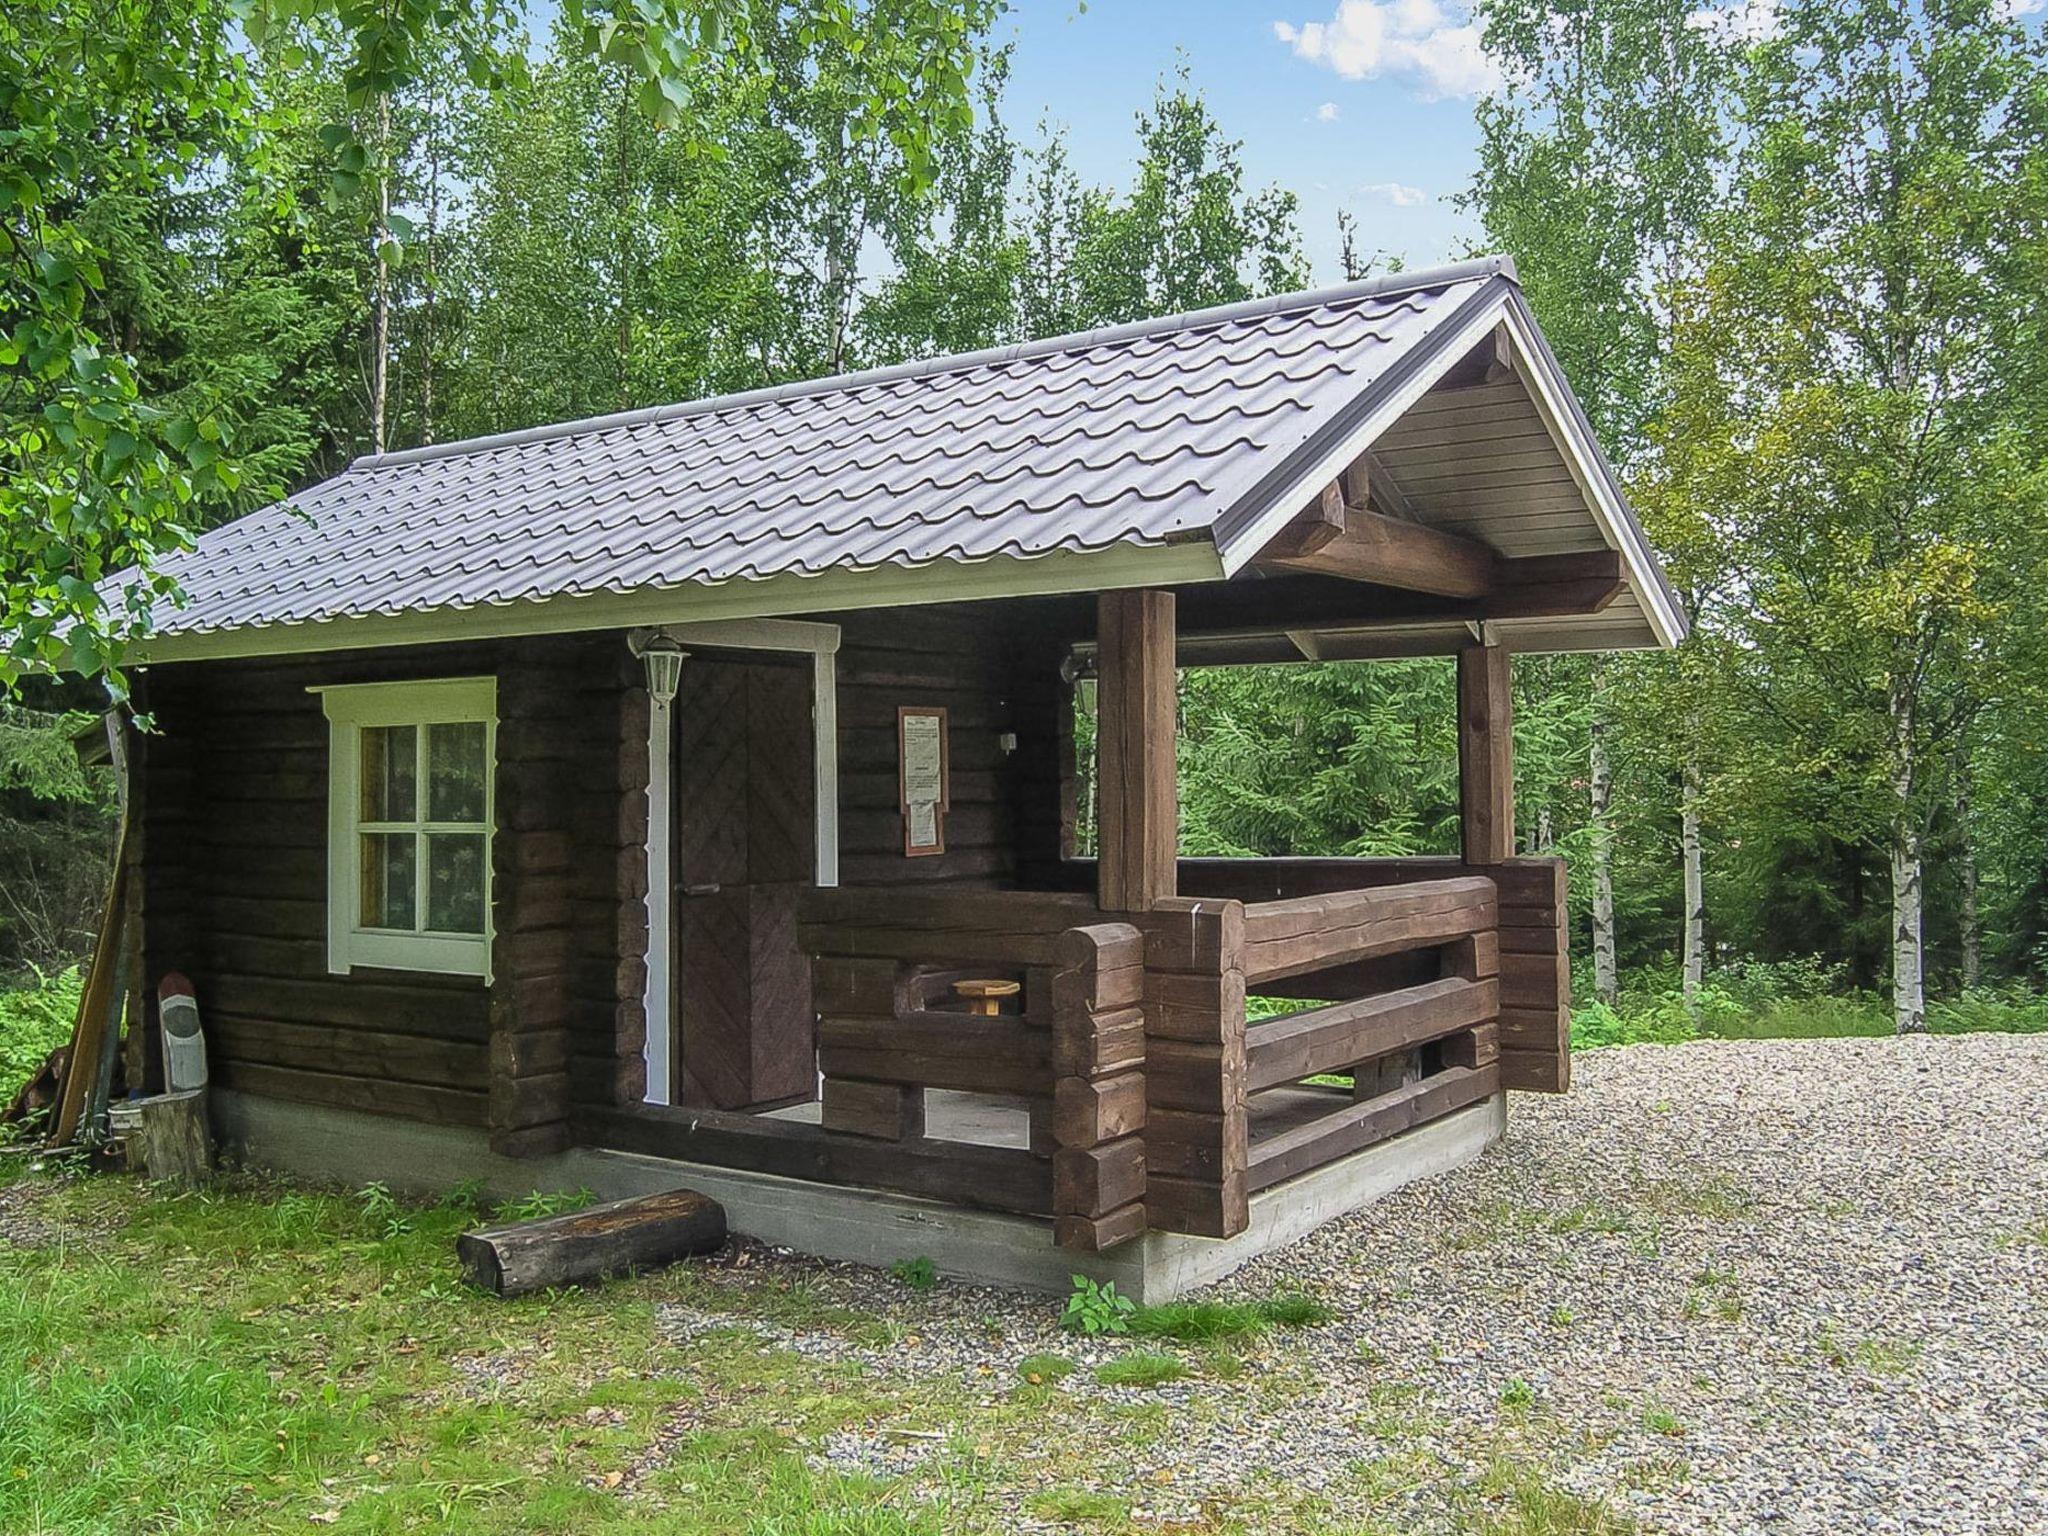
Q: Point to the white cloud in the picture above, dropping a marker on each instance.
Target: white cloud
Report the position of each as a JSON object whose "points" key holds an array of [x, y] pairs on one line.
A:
{"points": [[1418, 39], [1745, 21], [1327, 112], [1398, 193], [2013, 10]]}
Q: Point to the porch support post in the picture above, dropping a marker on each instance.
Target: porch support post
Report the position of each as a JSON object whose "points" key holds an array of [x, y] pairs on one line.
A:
{"points": [[663, 660], [1138, 807], [1486, 754]]}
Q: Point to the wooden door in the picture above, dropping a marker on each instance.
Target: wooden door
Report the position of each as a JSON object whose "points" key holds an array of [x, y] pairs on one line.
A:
{"points": [[746, 829]]}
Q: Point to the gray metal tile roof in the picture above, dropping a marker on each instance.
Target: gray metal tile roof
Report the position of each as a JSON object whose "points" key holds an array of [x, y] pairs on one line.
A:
{"points": [[1139, 436]]}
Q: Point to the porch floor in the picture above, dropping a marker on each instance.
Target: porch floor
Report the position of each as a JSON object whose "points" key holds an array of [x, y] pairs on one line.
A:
{"points": [[989, 1120]]}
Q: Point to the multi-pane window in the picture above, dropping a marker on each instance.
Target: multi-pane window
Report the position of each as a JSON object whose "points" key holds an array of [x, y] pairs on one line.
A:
{"points": [[409, 846]]}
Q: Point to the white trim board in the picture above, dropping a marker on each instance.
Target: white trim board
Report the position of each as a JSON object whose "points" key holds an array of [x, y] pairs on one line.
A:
{"points": [[1547, 390], [821, 643], [790, 594]]}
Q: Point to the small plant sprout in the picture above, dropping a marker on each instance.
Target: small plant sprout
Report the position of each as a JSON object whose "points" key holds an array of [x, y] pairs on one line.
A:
{"points": [[1517, 1396], [920, 1274], [1097, 1309]]}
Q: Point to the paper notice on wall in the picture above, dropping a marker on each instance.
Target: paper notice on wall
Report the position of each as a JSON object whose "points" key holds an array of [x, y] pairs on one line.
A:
{"points": [[924, 823], [923, 761]]}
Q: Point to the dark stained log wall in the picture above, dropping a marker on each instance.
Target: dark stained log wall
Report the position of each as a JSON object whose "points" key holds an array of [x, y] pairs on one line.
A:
{"points": [[970, 660], [232, 815], [232, 801]]}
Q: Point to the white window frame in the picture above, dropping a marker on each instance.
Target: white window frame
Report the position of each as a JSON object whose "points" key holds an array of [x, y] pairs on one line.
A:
{"points": [[352, 708]]}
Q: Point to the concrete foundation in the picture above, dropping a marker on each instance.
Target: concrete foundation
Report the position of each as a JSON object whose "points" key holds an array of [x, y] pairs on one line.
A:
{"points": [[863, 1226]]}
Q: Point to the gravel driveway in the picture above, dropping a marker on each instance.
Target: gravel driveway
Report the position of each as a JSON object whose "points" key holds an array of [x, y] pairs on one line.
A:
{"points": [[1777, 1286]]}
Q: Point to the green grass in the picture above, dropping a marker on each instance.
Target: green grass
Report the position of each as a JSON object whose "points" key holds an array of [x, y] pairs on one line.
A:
{"points": [[1140, 1368], [1199, 1321], [1043, 1370], [1798, 1000], [261, 1358]]}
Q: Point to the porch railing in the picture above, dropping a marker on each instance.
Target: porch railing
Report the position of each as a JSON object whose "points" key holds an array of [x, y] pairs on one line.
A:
{"points": [[1414, 1048], [1070, 1047]]}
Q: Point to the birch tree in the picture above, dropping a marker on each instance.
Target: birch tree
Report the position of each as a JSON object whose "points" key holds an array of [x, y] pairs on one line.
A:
{"points": [[1598, 162], [1842, 372]]}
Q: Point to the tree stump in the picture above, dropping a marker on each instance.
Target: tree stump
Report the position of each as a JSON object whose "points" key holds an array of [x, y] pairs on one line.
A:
{"points": [[626, 1235], [166, 1137]]}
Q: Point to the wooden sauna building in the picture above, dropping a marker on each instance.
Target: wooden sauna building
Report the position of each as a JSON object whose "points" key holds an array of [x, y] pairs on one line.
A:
{"points": [[689, 796]]}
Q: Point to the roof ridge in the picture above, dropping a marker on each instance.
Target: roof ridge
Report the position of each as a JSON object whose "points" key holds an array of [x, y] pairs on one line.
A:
{"points": [[1073, 341]]}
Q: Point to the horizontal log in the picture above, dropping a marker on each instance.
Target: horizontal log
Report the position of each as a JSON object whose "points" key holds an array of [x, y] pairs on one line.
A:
{"points": [[941, 1035], [410, 1101], [1093, 1181], [357, 1052], [888, 1111], [1086, 1113], [1318, 1040], [1113, 1042], [1535, 1071], [960, 1173], [1199, 1207], [619, 1238], [1096, 1234], [1353, 1126], [1314, 932], [442, 1007], [1475, 1047]]}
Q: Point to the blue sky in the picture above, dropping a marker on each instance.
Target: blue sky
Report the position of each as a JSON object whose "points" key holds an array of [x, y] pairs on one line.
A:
{"points": [[1359, 105]]}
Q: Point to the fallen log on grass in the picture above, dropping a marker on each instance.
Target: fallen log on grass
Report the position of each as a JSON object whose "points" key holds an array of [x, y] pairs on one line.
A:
{"points": [[626, 1235]]}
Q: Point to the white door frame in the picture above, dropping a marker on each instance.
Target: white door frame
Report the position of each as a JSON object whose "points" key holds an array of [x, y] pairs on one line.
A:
{"points": [[821, 641]]}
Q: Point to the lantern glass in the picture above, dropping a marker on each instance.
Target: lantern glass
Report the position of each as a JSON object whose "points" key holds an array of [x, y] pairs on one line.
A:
{"points": [[664, 662]]}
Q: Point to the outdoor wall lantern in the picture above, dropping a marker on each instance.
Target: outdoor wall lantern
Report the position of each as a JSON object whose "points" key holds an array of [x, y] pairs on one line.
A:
{"points": [[663, 659]]}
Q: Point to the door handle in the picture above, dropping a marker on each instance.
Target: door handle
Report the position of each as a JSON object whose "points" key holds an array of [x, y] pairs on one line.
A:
{"points": [[711, 888]]}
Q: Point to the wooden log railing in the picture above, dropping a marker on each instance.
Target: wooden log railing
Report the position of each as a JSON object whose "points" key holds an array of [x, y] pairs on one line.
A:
{"points": [[1534, 959], [1073, 1051], [1414, 1050]]}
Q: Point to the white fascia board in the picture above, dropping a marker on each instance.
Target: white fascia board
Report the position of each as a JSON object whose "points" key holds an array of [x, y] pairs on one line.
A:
{"points": [[1582, 455], [1288, 500], [1616, 527], [788, 595]]}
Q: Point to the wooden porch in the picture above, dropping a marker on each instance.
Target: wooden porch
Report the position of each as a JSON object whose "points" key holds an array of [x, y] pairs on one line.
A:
{"points": [[1143, 1087]]}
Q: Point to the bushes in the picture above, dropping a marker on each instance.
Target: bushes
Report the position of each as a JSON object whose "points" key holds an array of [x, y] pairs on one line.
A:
{"points": [[35, 1018], [1803, 999]]}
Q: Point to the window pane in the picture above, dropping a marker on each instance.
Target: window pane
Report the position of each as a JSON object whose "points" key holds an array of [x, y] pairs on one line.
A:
{"points": [[389, 864], [455, 772], [390, 763], [455, 882]]}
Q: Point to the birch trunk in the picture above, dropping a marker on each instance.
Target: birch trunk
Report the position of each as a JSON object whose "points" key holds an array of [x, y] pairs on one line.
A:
{"points": [[1605, 983], [380, 295], [1966, 869], [1909, 959], [1695, 951]]}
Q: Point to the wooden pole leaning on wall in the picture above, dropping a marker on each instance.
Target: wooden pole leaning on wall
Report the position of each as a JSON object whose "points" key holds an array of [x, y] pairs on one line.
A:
{"points": [[1137, 799], [1486, 755]]}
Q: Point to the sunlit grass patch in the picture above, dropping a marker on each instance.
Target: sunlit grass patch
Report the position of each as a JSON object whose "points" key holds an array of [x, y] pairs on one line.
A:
{"points": [[1044, 1370], [1141, 1368], [1196, 1321]]}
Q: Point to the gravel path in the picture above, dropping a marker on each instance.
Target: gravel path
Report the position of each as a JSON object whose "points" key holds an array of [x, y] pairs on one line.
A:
{"points": [[1776, 1286]]}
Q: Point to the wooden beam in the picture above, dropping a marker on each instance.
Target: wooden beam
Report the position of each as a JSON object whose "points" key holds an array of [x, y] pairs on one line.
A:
{"points": [[1352, 1126], [1354, 542], [1336, 1038], [1290, 598], [1486, 755], [1137, 801]]}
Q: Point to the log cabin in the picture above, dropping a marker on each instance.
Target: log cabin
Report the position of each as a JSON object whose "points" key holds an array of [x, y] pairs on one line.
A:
{"points": [[688, 797]]}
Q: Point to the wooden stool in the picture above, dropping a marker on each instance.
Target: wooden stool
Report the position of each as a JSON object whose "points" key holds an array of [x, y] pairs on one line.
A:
{"points": [[985, 997]]}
